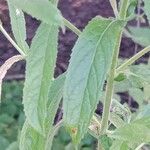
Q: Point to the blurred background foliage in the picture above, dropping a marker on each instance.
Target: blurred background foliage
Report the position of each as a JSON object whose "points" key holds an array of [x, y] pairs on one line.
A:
{"points": [[12, 118]]}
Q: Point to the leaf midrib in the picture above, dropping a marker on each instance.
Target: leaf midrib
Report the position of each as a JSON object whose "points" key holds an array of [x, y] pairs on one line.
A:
{"points": [[101, 37], [42, 78]]}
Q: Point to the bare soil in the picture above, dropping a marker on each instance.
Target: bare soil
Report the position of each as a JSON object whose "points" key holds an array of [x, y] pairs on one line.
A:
{"points": [[79, 12]]}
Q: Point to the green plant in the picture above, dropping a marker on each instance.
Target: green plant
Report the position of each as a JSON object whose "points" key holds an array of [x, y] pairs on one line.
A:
{"points": [[11, 114], [93, 61]]}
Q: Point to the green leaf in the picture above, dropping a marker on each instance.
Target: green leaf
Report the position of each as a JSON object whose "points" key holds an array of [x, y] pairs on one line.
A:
{"points": [[140, 35], [134, 132], [39, 74], [144, 112], [146, 92], [54, 98], [18, 26], [43, 10], [30, 139], [89, 64], [29, 136], [119, 145], [116, 120], [137, 95], [106, 142], [13, 146], [3, 143], [131, 8], [121, 110], [146, 8], [120, 77], [144, 121]]}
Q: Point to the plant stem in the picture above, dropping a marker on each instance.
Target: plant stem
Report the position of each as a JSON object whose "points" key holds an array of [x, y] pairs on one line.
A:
{"points": [[140, 146], [109, 87], [72, 27], [11, 40], [100, 147], [133, 59], [114, 7], [51, 135], [123, 9]]}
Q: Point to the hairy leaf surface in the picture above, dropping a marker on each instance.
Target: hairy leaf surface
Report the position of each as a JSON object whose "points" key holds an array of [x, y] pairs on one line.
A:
{"points": [[140, 35], [54, 98], [18, 25], [119, 145], [39, 73], [89, 64], [135, 132], [30, 139], [43, 10], [29, 136]]}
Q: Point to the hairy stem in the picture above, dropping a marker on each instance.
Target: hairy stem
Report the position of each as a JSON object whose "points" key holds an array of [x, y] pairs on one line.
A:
{"points": [[11, 40], [51, 135], [109, 88], [133, 59], [114, 7], [72, 27], [140, 146], [100, 147], [123, 9], [110, 81]]}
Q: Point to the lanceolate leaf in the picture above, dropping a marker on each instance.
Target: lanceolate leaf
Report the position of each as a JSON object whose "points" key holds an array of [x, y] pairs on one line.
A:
{"points": [[140, 35], [18, 25], [30, 138], [89, 64], [39, 73], [43, 10], [54, 98]]}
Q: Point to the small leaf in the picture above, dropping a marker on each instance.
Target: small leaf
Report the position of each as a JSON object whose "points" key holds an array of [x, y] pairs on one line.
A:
{"points": [[89, 65], [29, 136], [18, 26], [116, 120], [54, 98], [131, 8], [39, 75], [121, 110], [120, 77], [140, 35], [6, 66], [134, 132], [106, 142], [137, 95], [43, 10]]}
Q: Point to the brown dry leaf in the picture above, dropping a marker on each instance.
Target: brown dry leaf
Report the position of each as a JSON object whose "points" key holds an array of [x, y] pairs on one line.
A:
{"points": [[6, 66]]}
